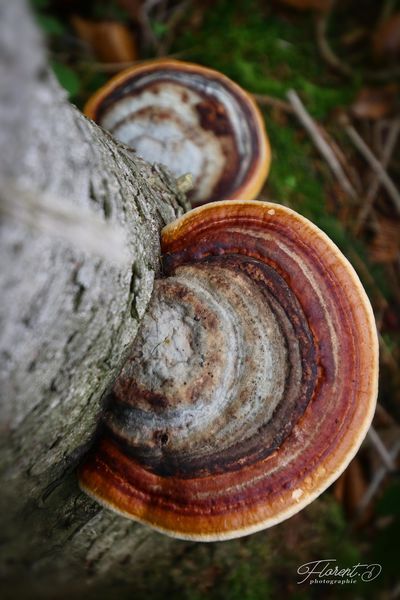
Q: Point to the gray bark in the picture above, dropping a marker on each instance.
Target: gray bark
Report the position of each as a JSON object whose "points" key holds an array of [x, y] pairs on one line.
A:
{"points": [[70, 308]]}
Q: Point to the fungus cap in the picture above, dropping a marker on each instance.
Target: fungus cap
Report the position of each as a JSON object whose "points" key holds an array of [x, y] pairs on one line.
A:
{"points": [[192, 119], [251, 384]]}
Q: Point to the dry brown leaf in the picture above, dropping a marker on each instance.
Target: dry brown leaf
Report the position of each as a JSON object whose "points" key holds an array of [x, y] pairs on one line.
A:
{"points": [[355, 486], [385, 246], [350, 488], [339, 488], [111, 42], [376, 103], [389, 436], [386, 39]]}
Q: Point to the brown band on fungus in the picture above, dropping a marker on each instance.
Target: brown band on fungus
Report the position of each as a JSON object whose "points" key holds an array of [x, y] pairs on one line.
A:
{"points": [[269, 317], [192, 119], [251, 384]]}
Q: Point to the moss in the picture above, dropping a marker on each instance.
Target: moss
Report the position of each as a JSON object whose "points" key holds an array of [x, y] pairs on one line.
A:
{"points": [[259, 567], [265, 53], [294, 180], [300, 180]]}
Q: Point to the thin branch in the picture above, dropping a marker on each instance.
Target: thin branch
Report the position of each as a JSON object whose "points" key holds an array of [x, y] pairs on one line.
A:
{"points": [[310, 126], [321, 27], [264, 100], [388, 150], [115, 67], [374, 163], [145, 21], [381, 449], [178, 14], [337, 64], [348, 168], [377, 481]]}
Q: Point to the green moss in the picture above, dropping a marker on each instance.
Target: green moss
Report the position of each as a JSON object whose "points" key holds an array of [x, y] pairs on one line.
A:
{"points": [[294, 180], [265, 53], [247, 583], [258, 567], [299, 179], [334, 530]]}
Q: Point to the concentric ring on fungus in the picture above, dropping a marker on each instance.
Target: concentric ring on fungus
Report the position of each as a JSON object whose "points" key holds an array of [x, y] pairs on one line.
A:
{"points": [[251, 384], [191, 119]]}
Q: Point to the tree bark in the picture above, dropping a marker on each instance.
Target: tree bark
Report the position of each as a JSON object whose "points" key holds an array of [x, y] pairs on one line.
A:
{"points": [[70, 309]]}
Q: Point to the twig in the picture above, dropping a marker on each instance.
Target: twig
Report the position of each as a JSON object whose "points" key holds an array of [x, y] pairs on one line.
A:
{"points": [[350, 171], [115, 67], [376, 481], [321, 26], [366, 152], [144, 11], [384, 415], [337, 64], [161, 10], [324, 148], [178, 14], [112, 67], [381, 449], [376, 183], [264, 100]]}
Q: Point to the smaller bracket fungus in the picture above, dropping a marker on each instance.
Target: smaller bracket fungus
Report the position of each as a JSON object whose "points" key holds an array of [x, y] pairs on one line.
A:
{"points": [[251, 384], [191, 119]]}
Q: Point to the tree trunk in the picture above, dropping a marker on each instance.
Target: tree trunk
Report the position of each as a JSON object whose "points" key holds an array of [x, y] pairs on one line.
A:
{"points": [[72, 298]]}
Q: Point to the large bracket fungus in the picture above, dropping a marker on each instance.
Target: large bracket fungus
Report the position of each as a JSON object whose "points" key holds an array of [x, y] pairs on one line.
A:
{"points": [[192, 119], [251, 384]]}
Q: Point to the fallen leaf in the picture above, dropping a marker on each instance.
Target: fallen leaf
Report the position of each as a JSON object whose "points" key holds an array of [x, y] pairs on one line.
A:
{"points": [[376, 103], [350, 488], [111, 42], [355, 487], [385, 247], [386, 39]]}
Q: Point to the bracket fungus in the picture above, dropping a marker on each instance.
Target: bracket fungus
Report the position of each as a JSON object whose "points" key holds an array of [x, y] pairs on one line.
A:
{"points": [[191, 119], [251, 384]]}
